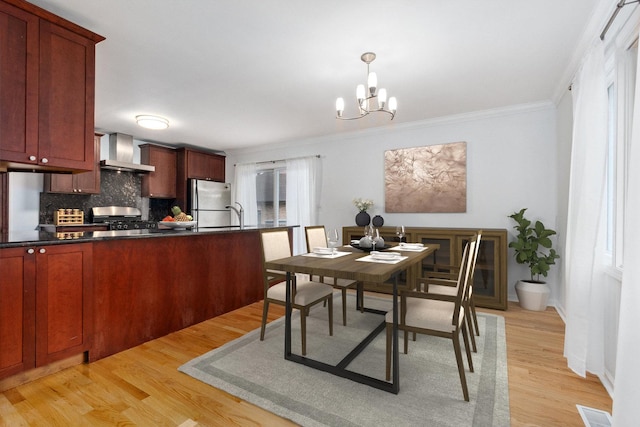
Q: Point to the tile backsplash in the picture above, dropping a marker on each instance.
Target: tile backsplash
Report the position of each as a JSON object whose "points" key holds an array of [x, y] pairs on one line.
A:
{"points": [[116, 189]]}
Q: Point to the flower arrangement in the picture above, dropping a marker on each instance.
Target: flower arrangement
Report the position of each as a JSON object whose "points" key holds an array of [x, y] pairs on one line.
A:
{"points": [[363, 204]]}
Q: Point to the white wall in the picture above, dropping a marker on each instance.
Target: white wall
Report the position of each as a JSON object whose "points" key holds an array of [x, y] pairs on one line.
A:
{"points": [[511, 164]]}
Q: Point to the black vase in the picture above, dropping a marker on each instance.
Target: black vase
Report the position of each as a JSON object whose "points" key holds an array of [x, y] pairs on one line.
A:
{"points": [[363, 219], [377, 221]]}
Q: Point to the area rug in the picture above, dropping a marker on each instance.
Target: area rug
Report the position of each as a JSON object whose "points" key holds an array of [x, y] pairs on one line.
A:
{"points": [[430, 391]]}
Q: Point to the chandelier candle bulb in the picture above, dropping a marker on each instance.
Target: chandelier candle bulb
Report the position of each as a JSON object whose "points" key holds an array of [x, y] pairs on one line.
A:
{"points": [[360, 94], [372, 82], [382, 98], [393, 104], [339, 106]]}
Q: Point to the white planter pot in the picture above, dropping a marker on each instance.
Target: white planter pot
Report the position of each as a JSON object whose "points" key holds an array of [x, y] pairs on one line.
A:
{"points": [[533, 296]]}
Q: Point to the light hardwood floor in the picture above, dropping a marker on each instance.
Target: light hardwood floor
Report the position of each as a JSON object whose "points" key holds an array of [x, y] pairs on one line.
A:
{"points": [[142, 386]]}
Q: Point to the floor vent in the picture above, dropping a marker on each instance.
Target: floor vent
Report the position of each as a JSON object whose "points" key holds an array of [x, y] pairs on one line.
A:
{"points": [[594, 417]]}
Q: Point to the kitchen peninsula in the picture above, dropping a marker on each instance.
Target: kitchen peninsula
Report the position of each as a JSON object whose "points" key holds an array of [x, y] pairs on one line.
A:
{"points": [[119, 289]]}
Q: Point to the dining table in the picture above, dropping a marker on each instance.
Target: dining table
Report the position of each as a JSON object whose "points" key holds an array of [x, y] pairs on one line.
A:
{"points": [[355, 264]]}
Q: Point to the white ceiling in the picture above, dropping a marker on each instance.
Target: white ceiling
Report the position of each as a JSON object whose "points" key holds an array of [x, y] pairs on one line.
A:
{"points": [[234, 74]]}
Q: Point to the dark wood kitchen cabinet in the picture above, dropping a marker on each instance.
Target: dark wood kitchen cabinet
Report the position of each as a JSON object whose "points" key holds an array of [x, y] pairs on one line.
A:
{"points": [[47, 86], [17, 311], [205, 166], [47, 301], [148, 288], [160, 184], [79, 183], [194, 164]]}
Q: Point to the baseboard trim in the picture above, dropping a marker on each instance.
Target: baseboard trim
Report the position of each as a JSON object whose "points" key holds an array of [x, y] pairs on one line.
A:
{"points": [[33, 374]]}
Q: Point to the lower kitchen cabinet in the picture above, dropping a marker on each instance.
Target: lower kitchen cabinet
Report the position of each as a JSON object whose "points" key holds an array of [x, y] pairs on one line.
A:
{"points": [[45, 305], [17, 311], [147, 288]]}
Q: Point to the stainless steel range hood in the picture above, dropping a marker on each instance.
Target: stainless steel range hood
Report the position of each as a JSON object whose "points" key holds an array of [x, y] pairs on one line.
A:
{"points": [[121, 155]]}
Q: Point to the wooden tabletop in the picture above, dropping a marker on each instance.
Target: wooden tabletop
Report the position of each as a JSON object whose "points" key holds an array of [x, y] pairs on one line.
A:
{"points": [[346, 267]]}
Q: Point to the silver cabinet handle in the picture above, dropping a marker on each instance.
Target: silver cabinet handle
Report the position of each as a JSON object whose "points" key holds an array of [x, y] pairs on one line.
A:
{"points": [[44, 160], [32, 158], [30, 251], [42, 250]]}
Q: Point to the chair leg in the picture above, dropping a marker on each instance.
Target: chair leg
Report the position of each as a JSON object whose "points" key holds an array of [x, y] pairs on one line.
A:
{"points": [[265, 310], [475, 316], [406, 341], [388, 357], [303, 331], [463, 380], [344, 306], [465, 335], [469, 321]]}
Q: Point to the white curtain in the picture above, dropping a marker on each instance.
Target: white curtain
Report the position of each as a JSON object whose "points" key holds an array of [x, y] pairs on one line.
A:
{"points": [[584, 333], [244, 192], [626, 398], [303, 192]]}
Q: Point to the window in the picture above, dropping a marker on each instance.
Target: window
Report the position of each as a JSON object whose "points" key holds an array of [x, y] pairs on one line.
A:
{"points": [[271, 184], [621, 93]]}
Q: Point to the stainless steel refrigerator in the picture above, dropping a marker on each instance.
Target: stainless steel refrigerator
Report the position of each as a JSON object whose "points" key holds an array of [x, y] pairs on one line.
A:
{"points": [[208, 203]]}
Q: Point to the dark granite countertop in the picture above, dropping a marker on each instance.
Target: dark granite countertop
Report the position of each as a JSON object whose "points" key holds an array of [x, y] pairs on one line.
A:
{"points": [[42, 238]]}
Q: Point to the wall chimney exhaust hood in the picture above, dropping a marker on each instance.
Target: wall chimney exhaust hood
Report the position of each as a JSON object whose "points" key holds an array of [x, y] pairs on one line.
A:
{"points": [[121, 155]]}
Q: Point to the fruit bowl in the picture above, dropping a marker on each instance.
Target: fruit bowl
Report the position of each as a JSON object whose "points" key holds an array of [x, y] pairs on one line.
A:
{"points": [[176, 224]]}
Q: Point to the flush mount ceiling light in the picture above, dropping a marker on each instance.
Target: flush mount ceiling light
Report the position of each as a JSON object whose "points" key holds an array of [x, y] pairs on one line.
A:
{"points": [[152, 122], [371, 100]]}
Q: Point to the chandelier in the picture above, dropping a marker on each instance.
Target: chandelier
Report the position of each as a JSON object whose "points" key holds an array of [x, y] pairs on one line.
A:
{"points": [[371, 99]]}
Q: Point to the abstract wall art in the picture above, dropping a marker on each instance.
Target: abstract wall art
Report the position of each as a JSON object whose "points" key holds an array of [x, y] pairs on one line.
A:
{"points": [[426, 179]]}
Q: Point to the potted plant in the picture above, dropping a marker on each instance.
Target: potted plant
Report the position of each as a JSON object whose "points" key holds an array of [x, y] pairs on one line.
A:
{"points": [[533, 247]]}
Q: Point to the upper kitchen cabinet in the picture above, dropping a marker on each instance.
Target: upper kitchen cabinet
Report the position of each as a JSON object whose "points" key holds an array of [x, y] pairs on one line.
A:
{"points": [[200, 165], [161, 183], [79, 183], [47, 85], [193, 164]]}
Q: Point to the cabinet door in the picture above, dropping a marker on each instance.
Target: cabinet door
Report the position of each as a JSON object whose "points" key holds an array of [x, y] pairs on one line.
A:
{"points": [[18, 85], [161, 183], [489, 277], [205, 166], [89, 182], [64, 286], [66, 99], [80, 183], [17, 311]]}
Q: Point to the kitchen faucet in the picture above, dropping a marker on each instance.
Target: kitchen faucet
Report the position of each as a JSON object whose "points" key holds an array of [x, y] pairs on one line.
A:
{"points": [[240, 214]]}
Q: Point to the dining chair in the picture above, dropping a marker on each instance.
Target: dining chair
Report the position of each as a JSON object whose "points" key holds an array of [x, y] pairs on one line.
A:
{"points": [[317, 238], [304, 293], [436, 315], [447, 287]]}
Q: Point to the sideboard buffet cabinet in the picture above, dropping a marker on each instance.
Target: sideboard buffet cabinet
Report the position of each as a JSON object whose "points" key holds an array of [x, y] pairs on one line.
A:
{"points": [[490, 277]]}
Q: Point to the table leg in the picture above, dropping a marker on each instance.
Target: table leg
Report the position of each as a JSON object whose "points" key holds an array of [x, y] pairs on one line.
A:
{"points": [[395, 385], [287, 318]]}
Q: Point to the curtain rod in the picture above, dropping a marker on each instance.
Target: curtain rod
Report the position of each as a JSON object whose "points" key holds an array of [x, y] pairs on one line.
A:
{"points": [[284, 160], [619, 6]]}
